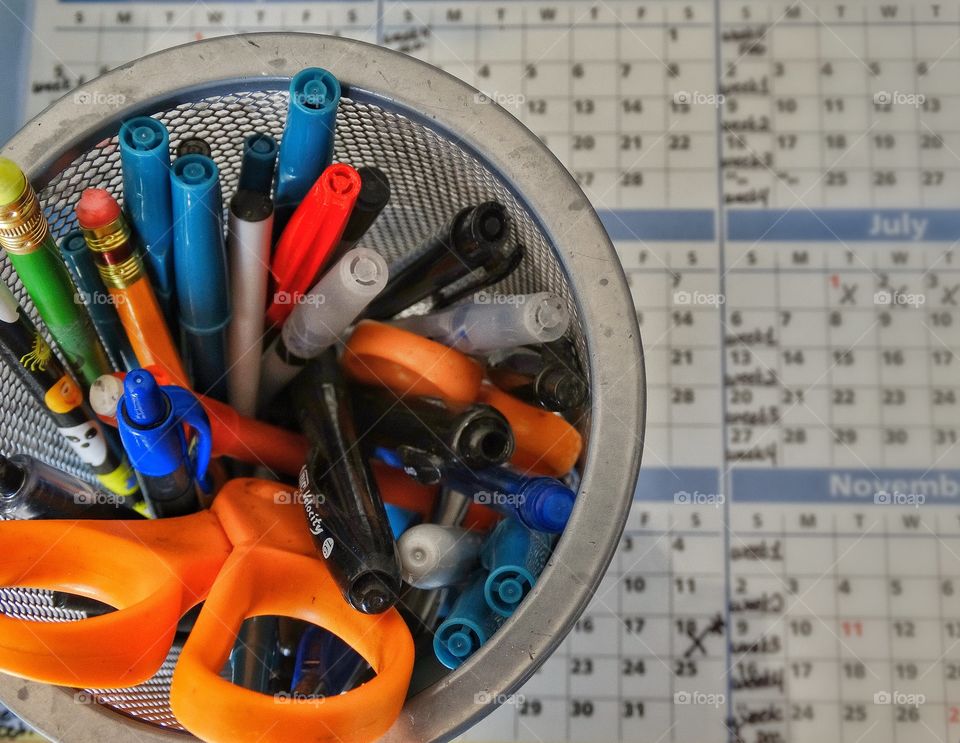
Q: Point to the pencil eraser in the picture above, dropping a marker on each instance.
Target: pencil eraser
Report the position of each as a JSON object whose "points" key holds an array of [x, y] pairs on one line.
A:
{"points": [[12, 181], [96, 208]]}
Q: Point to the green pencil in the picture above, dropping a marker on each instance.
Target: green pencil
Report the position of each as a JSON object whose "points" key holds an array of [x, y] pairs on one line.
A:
{"points": [[25, 235]]}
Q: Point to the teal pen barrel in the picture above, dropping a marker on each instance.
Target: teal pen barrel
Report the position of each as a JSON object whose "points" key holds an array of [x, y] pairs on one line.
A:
{"points": [[99, 302], [145, 158], [468, 626], [200, 270], [514, 556], [306, 147]]}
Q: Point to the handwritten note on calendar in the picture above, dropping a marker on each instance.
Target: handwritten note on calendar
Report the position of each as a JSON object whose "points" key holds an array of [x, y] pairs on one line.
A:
{"points": [[781, 180]]}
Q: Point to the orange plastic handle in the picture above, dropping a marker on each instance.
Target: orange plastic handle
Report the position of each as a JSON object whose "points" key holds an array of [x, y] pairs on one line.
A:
{"points": [[410, 364], [250, 555], [545, 443]]}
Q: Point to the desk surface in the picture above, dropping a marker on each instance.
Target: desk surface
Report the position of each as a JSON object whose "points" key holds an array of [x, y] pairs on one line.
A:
{"points": [[781, 181]]}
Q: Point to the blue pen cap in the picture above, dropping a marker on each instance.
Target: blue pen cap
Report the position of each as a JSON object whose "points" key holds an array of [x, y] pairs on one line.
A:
{"points": [[545, 504], [470, 624], [259, 159], [306, 147], [145, 158], [515, 557]]}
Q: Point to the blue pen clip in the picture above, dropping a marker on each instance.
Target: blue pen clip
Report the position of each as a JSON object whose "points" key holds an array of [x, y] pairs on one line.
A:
{"points": [[187, 409]]}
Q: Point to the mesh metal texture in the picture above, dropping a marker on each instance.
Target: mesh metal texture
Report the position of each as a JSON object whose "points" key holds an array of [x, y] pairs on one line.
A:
{"points": [[431, 178]]}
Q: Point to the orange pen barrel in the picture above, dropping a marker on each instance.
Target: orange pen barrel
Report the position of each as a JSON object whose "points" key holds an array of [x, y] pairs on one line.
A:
{"points": [[108, 236]]}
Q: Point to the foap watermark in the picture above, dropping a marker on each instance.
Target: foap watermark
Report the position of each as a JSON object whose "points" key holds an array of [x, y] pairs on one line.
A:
{"points": [[897, 298], [296, 498], [290, 697], [884, 498], [681, 296], [711, 699], [507, 100], [485, 697], [83, 697], [98, 98], [497, 298], [698, 98], [696, 498], [89, 299], [297, 298], [496, 498], [898, 98], [899, 698], [98, 498]]}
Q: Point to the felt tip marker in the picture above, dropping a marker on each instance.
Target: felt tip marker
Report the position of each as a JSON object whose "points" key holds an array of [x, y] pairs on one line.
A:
{"points": [[468, 242], [518, 320], [200, 267], [322, 317], [30, 489], [345, 513], [435, 556], [248, 242], [306, 147], [28, 356], [259, 160], [145, 160], [99, 303], [472, 435], [25, 235], [310, 238], [151, 420], [514, 556], [372, 199], [118, 261], [533, 375], [468, 626]]}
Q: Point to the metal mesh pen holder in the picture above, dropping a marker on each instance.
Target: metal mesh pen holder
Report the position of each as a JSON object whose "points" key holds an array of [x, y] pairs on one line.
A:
{"points": [[443, 146]]}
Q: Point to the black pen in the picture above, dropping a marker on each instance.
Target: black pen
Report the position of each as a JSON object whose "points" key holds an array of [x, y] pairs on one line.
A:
{"points": [[344, 510]]}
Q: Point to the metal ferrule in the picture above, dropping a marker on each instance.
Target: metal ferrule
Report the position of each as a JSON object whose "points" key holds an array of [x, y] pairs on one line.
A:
{"points": [[117, 261], [23, 228]]}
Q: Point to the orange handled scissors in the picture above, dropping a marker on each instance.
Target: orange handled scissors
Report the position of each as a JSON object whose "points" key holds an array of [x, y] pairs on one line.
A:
{"points": [[249, 555]]}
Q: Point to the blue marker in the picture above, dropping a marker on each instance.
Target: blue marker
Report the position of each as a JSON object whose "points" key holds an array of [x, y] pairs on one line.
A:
{"points": [[470, 624], [151, 419], [259, 158], [515, 557], [145, 157], [306, 147], [200, 267], [94, 295]]}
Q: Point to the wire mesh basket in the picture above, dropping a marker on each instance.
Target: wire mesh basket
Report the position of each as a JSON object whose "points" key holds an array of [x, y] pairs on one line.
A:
{"points": [[443, 146]]}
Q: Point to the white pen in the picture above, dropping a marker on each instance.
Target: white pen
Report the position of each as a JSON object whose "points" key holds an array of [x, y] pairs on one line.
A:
{"points": [[321, 317], [503, 321]]}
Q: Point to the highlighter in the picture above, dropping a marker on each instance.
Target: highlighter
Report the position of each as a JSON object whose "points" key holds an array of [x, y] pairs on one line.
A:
{"points": [[514, 556], [322, 316], [310, 238], [200, 268], [118, 261], [345, 513], [436, 556], [145, 159], [25, 235], [306, 147], [468, 626], [476, 328], [471, 240]]}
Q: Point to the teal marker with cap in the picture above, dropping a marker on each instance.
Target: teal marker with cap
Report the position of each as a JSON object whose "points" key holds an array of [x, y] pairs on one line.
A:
{"points": [[514, 556]]}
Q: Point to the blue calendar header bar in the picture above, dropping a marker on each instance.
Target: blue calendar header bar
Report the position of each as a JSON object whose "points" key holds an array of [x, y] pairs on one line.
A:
{"points": [[865, 487], [657, 224], [841, 225], [677, 485]]}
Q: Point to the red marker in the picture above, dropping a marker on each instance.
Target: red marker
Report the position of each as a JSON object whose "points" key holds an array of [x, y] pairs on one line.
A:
{"points": [[311, 236]]}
